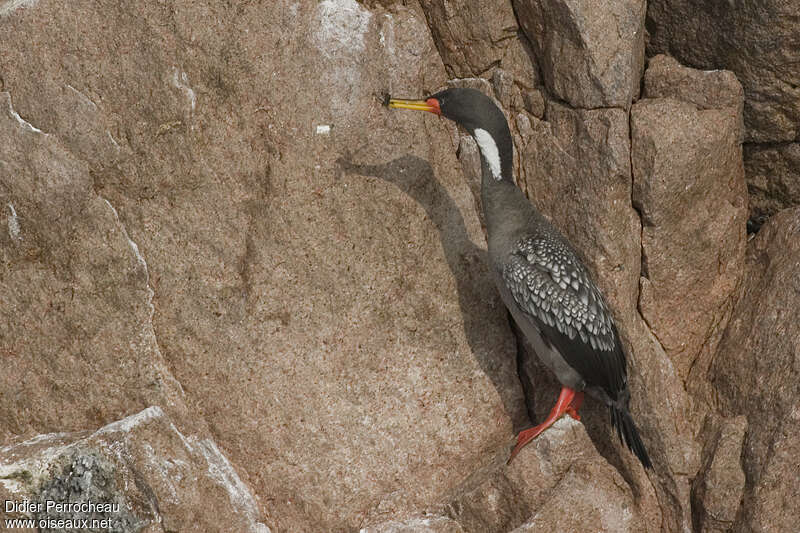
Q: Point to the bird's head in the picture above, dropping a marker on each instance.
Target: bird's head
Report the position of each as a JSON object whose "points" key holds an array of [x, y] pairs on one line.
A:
{"points": [[476, 113]]}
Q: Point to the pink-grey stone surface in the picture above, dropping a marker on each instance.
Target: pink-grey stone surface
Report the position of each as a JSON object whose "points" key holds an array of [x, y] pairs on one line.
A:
{"points": [[760, 44], [249, 297]]}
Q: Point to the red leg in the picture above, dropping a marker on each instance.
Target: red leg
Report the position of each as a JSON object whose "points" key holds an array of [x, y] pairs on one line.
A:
{"points": [[569, 401], [575, 405]]}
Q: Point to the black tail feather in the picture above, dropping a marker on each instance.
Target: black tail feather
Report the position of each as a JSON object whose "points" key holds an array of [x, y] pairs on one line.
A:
{"points": [[626, 430]]}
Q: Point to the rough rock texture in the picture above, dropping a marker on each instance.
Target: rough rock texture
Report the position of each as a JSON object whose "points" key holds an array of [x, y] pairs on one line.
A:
{"points": [[424, 524], [759, 43], [706, 89], [689, 188], [557, 483], [77, 302], [591, 53], [773, 178], [209, 219], [717, 490], [310, 343], [471, 37], [756, 373], [171, 482]]}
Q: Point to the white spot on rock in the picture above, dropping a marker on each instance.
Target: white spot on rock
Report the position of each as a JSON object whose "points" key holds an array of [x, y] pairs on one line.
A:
{"points": [[35, 440], [85, 98], [25, 124], [181, 81], [489, 150], [12, 5], [339, 36], [129, 422], [386, 33], [386, 36], [220, 469], [342, 25], [18, 458], [13, 224], [113, 141], [323, 129]]}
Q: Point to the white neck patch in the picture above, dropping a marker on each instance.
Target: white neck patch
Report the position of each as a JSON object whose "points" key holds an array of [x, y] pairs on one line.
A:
{"points": [[489, 150]]}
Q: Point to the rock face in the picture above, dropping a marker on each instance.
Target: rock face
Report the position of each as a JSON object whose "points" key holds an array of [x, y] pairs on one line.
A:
{"points": [[756, 373], [773, 178], [591, 54], [240, 294], [717, 490], [561, 484], [77, 299], [706, 89], [761, 45], [688, 186], [172, 482], [569, 161], [334, 361], [471, 37], [559, 481]]}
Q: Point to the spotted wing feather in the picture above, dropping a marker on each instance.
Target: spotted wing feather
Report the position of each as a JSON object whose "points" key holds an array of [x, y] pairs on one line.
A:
{"points": [[549, 283]]}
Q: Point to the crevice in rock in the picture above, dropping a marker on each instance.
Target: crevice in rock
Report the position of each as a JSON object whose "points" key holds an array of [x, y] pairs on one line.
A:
{"points": [[722, 318], [638, 210], [531, 47], [493, 65], [768, 144], [643, 270], [135, 249], [22, 122], [149, 328], [245, 262]]}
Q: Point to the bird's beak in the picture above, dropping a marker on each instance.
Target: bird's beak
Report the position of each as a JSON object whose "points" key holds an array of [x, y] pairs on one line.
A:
{"points": [[430, 105]]}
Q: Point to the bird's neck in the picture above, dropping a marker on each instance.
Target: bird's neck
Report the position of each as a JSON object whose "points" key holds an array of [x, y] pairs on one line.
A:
{"points": [[498, 191], [506, 210]]}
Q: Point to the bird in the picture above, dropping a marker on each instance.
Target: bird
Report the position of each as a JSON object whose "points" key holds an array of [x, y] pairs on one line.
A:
{"points": [[540, 277]]}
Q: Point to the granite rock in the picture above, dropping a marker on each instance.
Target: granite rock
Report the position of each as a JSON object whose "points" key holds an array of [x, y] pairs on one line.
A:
{"points": [[147, 475], [571, 161], [471, 37], [756, 372], [591, 53], [773, 178], [689, 187], [760, 44], [184, 236], [212, 223], [558, 482], [718, 489]]}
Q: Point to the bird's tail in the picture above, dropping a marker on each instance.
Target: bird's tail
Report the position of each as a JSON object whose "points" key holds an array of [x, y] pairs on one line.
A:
{"points": [[627, 432]]}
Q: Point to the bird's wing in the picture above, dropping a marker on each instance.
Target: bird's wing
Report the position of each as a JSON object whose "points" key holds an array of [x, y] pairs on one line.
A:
{"points": [[550, 284]]}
